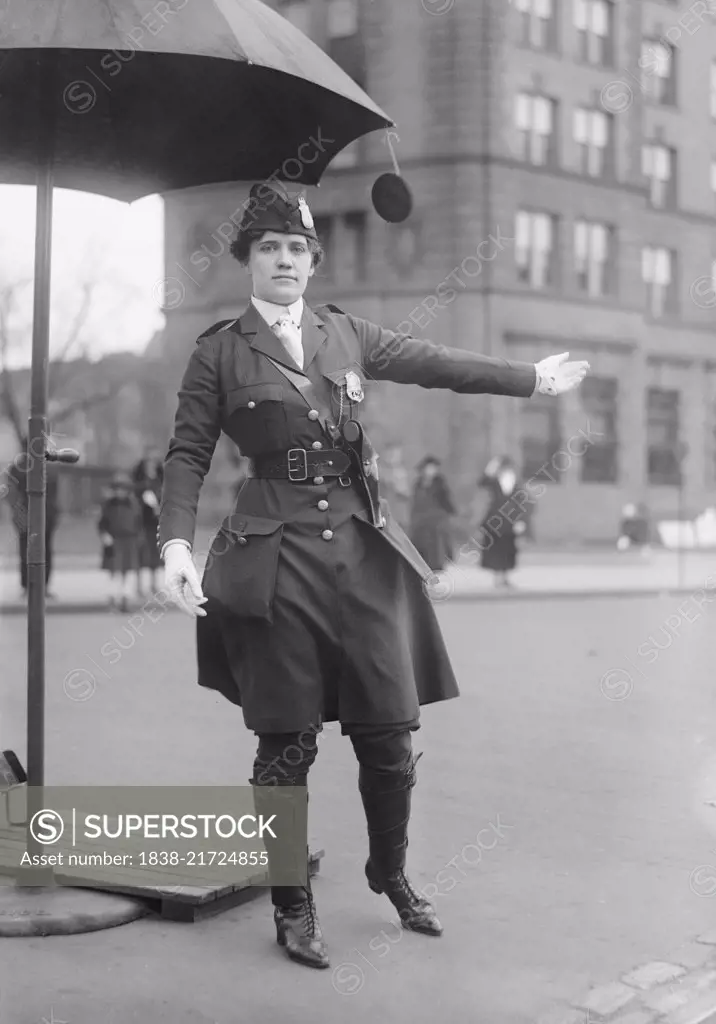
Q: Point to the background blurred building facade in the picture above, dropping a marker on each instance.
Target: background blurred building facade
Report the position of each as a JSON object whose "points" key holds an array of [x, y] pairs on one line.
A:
{"points": [[562, 156]]}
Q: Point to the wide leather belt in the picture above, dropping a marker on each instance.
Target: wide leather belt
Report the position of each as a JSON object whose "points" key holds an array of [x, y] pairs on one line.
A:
{"points": [[299, 464]]}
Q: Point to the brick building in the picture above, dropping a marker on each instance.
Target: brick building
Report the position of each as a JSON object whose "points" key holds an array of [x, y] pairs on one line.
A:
{"points": [[562, 156]]}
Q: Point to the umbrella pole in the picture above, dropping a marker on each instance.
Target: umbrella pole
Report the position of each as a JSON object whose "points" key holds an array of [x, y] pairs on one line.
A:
{"points": [[36, 905], [37, 442]]}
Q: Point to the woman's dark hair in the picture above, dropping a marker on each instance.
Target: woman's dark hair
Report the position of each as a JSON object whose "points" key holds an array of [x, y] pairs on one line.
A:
{"points": [[240, 248]]}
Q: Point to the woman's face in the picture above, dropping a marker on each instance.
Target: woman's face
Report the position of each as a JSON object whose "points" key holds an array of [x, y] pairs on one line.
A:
{"points": [[280, 266], [429, 472]]}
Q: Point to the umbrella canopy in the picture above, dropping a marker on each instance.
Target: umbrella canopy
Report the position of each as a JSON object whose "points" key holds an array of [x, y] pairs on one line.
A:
{"points": [[130, 97]]}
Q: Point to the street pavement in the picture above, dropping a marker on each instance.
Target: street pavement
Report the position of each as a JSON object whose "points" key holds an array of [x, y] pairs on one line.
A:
{"points": [[562, 817], [79, 585]]}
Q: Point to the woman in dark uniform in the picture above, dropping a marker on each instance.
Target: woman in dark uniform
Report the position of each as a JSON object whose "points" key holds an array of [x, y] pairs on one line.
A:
{"points": [[312, 607], [430, 512]]}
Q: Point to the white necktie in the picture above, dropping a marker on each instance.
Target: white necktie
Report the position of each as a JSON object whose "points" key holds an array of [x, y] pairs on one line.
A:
{"points": [[287, 332]]}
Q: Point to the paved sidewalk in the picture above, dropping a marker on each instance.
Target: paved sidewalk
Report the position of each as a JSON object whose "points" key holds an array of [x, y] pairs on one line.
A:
{"points": [[78, 587]]}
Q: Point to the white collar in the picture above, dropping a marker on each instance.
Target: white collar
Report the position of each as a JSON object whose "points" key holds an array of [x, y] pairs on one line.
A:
{"points": [[271, 311]]}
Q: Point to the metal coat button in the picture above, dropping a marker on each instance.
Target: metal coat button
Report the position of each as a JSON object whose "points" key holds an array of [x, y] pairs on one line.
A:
{"points": [[242, 540], [323, 505], [252, 405], [316, 446], [318, 479], [327, 534], [313, 414]]}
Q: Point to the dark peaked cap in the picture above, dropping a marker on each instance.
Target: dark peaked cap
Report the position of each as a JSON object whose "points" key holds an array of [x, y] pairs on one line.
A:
{"points": [[270, 208]]}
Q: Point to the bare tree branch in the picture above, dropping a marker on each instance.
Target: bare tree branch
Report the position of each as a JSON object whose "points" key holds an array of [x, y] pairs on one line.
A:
{"points": [[73, 334], [82, 404]]}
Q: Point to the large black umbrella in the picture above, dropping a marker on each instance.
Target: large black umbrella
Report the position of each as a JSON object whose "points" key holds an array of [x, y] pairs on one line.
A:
{"points": [[126, 98]]}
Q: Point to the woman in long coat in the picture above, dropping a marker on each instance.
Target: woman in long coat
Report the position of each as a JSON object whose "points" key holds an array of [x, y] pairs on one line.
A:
{"points": [[148, 476], [313, 606], [430, 512], [503, 521]]}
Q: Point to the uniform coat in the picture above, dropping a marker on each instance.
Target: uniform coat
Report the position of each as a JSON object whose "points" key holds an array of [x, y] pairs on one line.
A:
{"points": [[314, 613]]}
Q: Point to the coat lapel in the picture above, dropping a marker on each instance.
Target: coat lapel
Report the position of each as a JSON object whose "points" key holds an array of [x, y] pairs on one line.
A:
{"points": [[260, 336], [313, 335]]}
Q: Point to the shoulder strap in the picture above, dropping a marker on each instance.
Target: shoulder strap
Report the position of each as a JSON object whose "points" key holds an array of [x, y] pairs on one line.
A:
{"points": [[302, 383], [222, 325], [331, 307]]}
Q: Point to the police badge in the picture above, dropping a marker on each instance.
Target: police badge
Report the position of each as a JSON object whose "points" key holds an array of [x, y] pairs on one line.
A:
{"points": [[305, 213], [353, 387]]}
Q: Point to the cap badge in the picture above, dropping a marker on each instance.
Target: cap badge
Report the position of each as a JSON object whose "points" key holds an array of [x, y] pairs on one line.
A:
{"points": [[306, 217]]}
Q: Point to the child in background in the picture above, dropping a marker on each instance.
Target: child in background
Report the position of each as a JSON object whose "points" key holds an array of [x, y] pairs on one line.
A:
{"points": [[120, 528]]}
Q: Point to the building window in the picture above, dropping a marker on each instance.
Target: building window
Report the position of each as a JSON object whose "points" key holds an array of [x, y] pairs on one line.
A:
{"points": [[658, 270], [593, 132], [658, 71], [658, 165], [599, 460], [535, 238], [594, 257], [355, 266], [594, 21], [538, 23], [535, 119], [662, 432], [345, 43], [342, 18], [298, 12], [541, 438]]}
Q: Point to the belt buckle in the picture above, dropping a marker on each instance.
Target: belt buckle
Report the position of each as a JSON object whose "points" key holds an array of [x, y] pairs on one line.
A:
{"points": [[293, 454]]}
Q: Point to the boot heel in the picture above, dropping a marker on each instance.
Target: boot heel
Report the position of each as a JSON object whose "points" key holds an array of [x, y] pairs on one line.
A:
{"points": [[372, 883]]}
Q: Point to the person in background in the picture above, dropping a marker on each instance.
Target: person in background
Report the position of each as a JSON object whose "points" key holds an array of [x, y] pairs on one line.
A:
{"points": [[17, 498], [395, 484], [633, 529], [121, 528], [147, 476], [503, 521], [431, 508]]}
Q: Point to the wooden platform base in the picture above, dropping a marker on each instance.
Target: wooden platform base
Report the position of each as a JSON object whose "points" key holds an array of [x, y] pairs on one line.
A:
{"points": [[196, 904]]}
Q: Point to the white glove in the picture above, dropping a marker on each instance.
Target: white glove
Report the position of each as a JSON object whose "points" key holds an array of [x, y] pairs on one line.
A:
{"points": [[107, 540], [182, 580], [150, 498], [555, 375]]}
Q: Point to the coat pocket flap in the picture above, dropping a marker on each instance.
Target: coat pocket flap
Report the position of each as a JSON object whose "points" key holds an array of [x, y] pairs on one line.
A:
{"points": [[241, 525], [249, 395]]}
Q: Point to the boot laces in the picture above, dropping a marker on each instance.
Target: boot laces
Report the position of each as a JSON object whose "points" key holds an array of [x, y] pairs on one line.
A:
{"points": [[310, 918], [403, 883]]}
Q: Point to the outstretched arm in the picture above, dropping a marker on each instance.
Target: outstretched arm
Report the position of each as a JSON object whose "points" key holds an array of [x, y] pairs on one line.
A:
{"points": [[407, 360]]}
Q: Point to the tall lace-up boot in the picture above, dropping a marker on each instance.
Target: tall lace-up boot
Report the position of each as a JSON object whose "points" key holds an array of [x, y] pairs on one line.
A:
{"points": [[298, 929], [386, 800]]}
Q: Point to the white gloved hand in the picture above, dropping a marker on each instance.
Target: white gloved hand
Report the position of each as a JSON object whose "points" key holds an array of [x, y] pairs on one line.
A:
{"points": [[555, 375], [107, 540], [182, 580], [150, 498]]}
